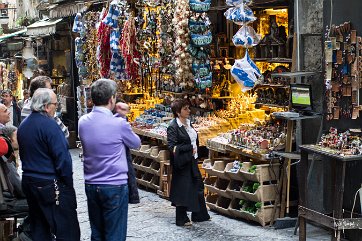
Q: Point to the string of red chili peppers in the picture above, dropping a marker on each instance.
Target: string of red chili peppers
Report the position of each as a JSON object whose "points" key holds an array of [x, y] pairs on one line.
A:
{"points": [[104, 55], [128, 48]]}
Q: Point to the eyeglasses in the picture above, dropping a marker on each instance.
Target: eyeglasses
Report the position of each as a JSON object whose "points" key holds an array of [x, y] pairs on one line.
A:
{"points": [[55, 103]]}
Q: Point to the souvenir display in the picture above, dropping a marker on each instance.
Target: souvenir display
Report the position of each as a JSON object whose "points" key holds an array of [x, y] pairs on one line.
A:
{"points": [[183, 59], [90, 47], [113, 20], [200, 39], [343, 144], [262, 138], [128, 48], [241, 14], [167, 43], [273, 44], [343, 72], [104, 52], [78, 27], [246, 37], [244, 71], [3, 75]]}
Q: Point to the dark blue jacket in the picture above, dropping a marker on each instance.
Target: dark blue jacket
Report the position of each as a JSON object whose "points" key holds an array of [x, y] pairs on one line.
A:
{"points": [[43, 149]]}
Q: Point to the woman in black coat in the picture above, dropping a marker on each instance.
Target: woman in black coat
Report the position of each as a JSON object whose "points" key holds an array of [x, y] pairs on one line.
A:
{"points": [[187, 188]]}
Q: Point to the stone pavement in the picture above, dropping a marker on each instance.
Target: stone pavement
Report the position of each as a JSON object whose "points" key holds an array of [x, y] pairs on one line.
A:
{"points": [[154, 220]]}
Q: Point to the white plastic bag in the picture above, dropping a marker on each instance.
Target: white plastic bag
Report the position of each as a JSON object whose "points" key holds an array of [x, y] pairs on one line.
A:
{"points": [[245, 72], [237, 2], [240, 15], [246, 37]]}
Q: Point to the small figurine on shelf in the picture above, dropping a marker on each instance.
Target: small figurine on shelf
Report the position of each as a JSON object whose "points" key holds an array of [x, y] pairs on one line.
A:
{"points": [[225, 87]]}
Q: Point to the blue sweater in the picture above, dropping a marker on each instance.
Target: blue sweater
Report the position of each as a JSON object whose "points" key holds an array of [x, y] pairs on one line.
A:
{"points": [[43, 149]]}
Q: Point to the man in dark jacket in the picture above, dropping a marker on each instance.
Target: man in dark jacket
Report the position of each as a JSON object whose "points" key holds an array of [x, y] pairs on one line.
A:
{"points": [[15, 111], [47, 172]]}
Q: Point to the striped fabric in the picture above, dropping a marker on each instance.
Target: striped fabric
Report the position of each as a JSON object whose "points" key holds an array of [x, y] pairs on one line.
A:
{"points": [[26, 111]]}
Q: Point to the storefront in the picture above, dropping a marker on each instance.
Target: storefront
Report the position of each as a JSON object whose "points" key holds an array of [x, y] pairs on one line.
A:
{"points": [[240, 65]]}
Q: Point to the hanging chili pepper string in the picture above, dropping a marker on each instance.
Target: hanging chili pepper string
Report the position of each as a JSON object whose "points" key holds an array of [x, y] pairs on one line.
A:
{"points": [[104, 57], [128, 48]]}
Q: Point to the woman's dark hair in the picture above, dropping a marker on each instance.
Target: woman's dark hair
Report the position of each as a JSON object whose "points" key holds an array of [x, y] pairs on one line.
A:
{"points": [[177, 105]]}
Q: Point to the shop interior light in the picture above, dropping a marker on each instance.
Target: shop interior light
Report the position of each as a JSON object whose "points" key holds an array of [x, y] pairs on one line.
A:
{"points": [[28, 73], [28, 51]]}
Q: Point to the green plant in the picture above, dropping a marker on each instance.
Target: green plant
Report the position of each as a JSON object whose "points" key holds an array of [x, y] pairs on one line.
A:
{"points": [[252, 169], [1, 31], [24, 21], [256, 185]]}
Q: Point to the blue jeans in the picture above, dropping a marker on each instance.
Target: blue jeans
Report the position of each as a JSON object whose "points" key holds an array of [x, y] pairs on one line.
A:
{"points": [[108, 211]]}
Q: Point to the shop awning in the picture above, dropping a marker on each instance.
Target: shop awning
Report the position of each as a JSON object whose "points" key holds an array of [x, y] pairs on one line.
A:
{"points": [[43, 27], [6, 36], [67, 9]]}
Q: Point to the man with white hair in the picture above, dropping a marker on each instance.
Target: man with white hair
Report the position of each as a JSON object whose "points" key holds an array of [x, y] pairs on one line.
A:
{"points": [[47, 172], [4, 115]]}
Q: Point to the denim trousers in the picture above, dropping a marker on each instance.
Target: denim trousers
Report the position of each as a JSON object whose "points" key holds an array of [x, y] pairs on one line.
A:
{"points": [[48, 220], [108, 211]]}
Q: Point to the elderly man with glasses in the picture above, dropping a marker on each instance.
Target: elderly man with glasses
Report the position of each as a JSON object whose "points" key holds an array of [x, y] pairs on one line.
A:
{"points": [[47, 172]]}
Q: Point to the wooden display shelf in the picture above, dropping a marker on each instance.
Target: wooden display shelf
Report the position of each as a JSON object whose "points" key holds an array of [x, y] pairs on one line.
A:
{"points": [[271, 105], [244, 151], [148, 133], [273, 60], [263, 215], [225, 188], [219, 187], [263, 173], [264, 193], [149, 162]]}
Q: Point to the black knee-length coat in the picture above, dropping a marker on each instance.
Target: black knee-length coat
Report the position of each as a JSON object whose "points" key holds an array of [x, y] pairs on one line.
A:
{"points": [[185, 173]]}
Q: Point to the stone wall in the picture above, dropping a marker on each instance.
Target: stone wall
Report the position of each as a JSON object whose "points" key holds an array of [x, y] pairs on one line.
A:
{"points": [[310, 14]]}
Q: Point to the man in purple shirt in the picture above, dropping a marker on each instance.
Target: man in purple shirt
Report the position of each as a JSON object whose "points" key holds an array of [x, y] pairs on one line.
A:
{"points": [[104, 138]]}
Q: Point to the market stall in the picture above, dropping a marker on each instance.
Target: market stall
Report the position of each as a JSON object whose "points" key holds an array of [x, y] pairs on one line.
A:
{"points": [[220, 56]]}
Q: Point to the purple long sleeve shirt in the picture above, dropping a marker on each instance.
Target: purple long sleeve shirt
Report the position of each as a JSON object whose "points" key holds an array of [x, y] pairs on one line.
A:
{"points": [[104, 137]]}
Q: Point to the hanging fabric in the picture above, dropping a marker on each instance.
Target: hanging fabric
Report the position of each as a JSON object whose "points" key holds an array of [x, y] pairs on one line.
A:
{"points": [[117, 64]]}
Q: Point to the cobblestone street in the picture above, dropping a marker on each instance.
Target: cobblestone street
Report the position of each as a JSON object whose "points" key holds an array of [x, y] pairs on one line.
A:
{"points": [[153, 219]]}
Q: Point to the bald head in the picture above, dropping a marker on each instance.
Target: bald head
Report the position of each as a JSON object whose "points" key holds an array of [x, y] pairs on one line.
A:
{"points": [[4, 114], [122, 109]]}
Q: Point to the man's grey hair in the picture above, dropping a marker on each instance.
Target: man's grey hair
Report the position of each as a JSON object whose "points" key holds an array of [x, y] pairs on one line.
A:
{"points": [[41, 98], [102, 90], [8, 130], [7, 92]]}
